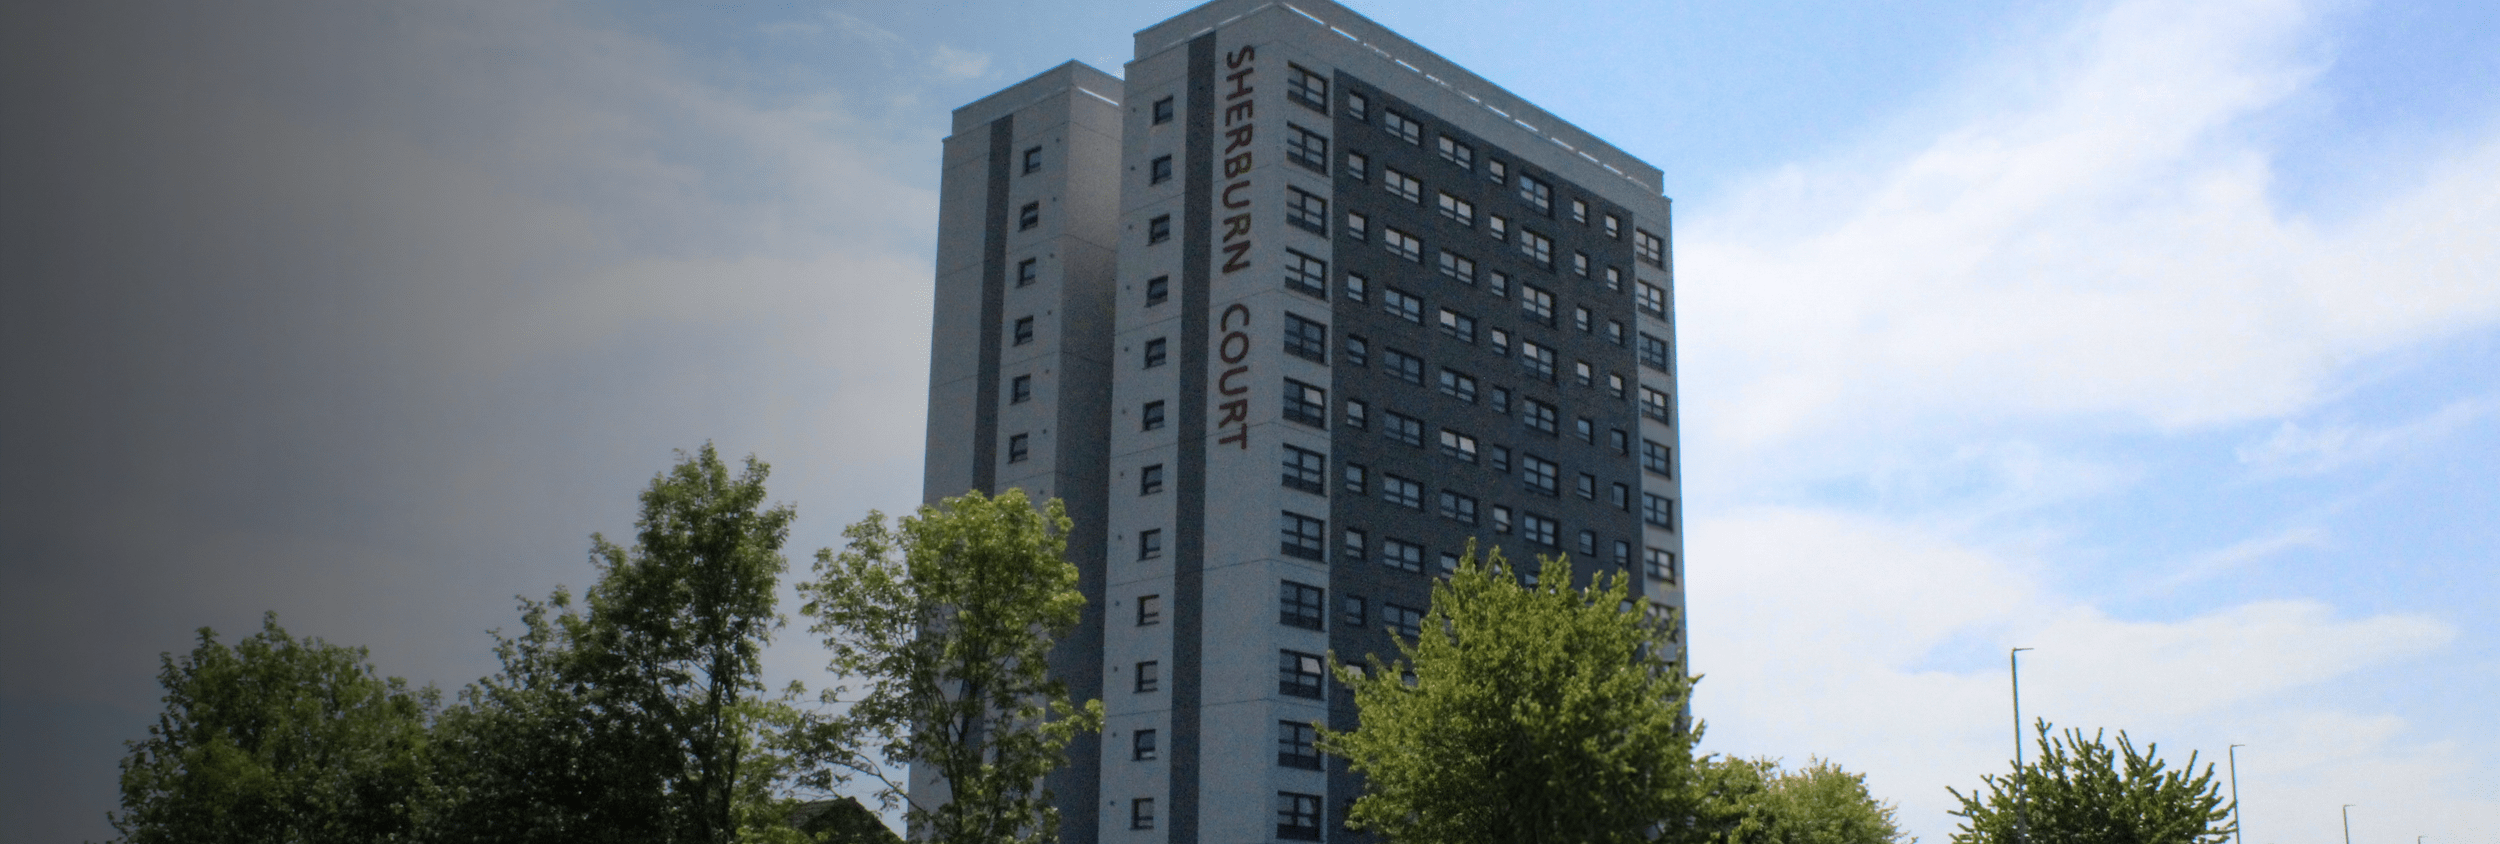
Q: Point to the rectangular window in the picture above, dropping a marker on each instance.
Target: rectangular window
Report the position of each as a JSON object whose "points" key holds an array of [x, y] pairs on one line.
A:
{"points": [[1149, 546], [1497, 171], [1401, 185], [1029, 216], [1298, 674], [1306, 274], [1357, 106], [1537, 359], [1150, 418], [1403, 621], [1541, 475], [1537, 303], [1297, 816], [1149, 610], [1654, 405], [1358, 226], [1458, 268], [1498, 226], [1402, 555], [1619, 441], [1579, 212], [1306, 404], [1149, 677], [1537, 194], [1614, 278], [1402, 244], [1032, 159], [1402, 492], [1500, 341], [1457, 152], [1019, 447], [1614, 385], [1158, 350], [1158, 290], [1159, 170], [1357, 481], [1150, 480], [1400, 125], [1402, 428], [1458, 209], [1306, 339], [1306, 210], [1294, 748], [1303, 86], [1654, 353], [1580, 264], [1356, 416], [1357, 288], [1458, 326], [1303, 537], [1301, 605], [1538, 415], [1358, 166], [1159, 229], [1458, 508], [1651, 299], [1403, 366], [1588, 545], [1458, 385], [1649, 248], [1501, 519], [1142, 749], [1623, 555], [1537, 248], [1658, 510], [1354, 550], [1403, 305], [1658, 458], [1586, 487], [1661, 564], [1582, 374], [1027, 272], [1352, 610], [1020, 390], [1023, 330], [1497, 283], [1141, 813], [1358, 351], [1582, 320], [1539, 530], [1458, 446], [1498, 457], [1449, 565], [1306, 470], [1614, 331], [1163, 111], [1306, 148], [1620, 497], [1614, 227]]}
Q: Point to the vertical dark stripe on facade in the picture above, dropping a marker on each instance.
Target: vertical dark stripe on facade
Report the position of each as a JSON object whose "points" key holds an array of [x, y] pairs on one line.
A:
{"points": [[1189, 534], [993, 308]]}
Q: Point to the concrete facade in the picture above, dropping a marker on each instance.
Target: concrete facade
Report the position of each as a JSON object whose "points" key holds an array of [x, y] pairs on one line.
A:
{"points": [[1341, 308]]}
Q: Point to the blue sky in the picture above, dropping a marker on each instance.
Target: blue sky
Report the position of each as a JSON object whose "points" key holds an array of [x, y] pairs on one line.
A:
{"points": [[2158, 338]]}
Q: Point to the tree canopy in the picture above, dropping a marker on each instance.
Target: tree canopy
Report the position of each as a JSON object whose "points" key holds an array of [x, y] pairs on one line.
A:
{"points": [[2083, 791], [1525, 713], [1757, 801]]}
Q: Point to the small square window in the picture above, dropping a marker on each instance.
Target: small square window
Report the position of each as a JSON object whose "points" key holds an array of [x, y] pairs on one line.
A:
{"points": [[1358, 166], [1030, 216], [1158, 289], [1020, 390], [1159, 229], [1019, 447], [1027, 272], [1157, 351], [1149, 677], [1294, 745], [1614, 227], [1032, 159], [1024, 330], [1142, 749], [1159, 170], [1579, 212], [1151, 418], [1302, 605], [1149, 546], [1357, 107], [1149, 607], [1141, 813], [1352, 610], [1150, 480], [1163, 111]]}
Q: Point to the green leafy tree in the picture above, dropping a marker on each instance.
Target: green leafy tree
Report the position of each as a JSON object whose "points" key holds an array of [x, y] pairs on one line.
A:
{"points": [[2082, 791], [1533, 714], [1756, 801], [947, 618], [276, 739], [639, 718]]}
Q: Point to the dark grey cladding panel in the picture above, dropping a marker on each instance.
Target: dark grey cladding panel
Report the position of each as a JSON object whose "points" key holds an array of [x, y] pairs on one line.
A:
{"points": [[1190, 487], [993, 307]]}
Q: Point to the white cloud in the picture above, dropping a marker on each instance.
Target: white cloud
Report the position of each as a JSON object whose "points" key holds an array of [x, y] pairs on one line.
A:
{"points": [[2296, 449], [2105, 247], [2245, 552], [951, 63], [1881, 646]]}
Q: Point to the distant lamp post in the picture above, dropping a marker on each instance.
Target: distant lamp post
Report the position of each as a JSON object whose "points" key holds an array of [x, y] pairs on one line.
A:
{"points": [[2022, 820], [2348, 823], [2239, 831]]}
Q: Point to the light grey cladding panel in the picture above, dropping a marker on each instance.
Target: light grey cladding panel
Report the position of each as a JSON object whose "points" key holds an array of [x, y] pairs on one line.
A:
{"points": [[947, 467]]}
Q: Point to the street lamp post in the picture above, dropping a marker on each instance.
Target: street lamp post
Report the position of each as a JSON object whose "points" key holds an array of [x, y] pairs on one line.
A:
{"points": [[2238, 831], [2022, 820], [2347, 823]]}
